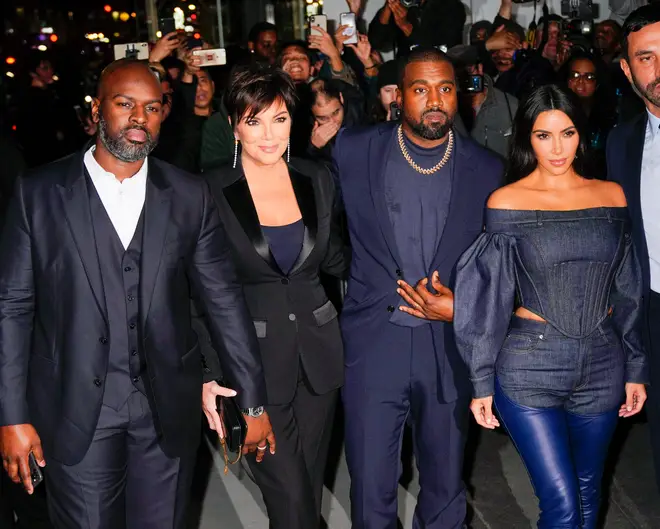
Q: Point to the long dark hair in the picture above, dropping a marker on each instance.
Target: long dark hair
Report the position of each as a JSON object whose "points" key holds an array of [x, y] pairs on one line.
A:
{"points": [[522, 160]]}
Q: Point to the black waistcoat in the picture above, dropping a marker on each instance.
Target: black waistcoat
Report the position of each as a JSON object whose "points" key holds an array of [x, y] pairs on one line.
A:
{"points": [[120, 272]]}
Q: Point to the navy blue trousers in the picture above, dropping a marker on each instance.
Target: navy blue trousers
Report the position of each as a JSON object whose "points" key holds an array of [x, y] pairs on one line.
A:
{"points": [[376, 412]]}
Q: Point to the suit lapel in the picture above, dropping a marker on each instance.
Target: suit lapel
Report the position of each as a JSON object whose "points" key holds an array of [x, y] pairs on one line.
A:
{"points": [[240, 201], [75, 199], [304, 190], [634, 154], [157, 207], [379, 147], [459, 203]]}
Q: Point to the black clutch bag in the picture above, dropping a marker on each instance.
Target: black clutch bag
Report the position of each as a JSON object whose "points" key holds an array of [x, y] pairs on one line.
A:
{"points": [[234, 428]]}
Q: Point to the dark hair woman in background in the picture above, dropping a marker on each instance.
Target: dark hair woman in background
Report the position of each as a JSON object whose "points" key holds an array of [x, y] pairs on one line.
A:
{"points": [[588, 78], [547, 312], [278, 216]]}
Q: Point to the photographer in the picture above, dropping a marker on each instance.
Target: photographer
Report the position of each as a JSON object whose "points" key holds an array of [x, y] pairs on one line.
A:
{"points": [[487, 112], [400, 24]]}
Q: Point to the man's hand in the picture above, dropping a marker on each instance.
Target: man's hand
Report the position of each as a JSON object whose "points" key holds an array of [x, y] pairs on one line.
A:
{"points": [[363, 50], [423, 304], [164, 47], [16, 443], [210, 392], [322, 134], [259, 436], [323, 43], [482, 409], [502, 39], [340, 38], [635, 399], [400, 15], [506, 9]]}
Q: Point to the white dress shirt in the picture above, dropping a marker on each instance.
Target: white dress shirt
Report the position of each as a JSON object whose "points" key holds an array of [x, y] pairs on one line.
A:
{"points": [[123, 201], [650, 197]]}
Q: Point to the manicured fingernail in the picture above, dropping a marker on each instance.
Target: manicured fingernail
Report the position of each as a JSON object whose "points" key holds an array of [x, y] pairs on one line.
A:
{"points": [[629, 408], [233, 393]]}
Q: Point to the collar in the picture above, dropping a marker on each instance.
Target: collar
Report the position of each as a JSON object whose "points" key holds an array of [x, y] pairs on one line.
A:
{"points": [[95, 169], [653, 125]]}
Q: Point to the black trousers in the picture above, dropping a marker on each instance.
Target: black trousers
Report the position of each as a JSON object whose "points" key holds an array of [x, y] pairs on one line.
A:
{"points": [[291, 481], [125, 481], [653, 402], [31, 510]]}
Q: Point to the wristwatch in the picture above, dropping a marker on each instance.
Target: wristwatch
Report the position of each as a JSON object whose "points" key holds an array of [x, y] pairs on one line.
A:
{"points": [[253, 412]]}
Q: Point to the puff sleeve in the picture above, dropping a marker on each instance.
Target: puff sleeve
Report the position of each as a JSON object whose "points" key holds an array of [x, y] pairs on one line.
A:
{"points": [[626, 300], [484, 297]]}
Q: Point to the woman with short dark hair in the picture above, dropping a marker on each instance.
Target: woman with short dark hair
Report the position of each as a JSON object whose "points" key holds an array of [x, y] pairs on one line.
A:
{"points": [[277, 212], [547, 312]]}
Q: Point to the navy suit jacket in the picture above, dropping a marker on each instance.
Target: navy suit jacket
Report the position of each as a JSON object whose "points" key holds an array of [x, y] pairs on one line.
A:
{"points": [[625, 148], [360, 157]]}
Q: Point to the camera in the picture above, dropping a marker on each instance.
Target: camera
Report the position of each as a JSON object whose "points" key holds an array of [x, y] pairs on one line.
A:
{"points": [[410, 3], [579, 33]]}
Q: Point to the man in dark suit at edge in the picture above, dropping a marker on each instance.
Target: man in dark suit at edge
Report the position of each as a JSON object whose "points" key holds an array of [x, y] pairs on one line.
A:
{"points": [[633, 160], [414, 193], [100, 372]]}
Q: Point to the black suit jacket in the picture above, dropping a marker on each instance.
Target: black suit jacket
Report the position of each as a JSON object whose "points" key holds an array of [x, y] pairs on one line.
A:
{"points": [[625, 149], [54, 335], [294, 320]]}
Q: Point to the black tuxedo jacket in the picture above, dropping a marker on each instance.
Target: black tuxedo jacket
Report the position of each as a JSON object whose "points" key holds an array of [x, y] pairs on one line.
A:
{"points": [[54, 335], [294, 320]]}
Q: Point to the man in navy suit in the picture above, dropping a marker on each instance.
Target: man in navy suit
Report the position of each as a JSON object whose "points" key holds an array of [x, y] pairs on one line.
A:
{"points": [[633, 160], [414, 193]]}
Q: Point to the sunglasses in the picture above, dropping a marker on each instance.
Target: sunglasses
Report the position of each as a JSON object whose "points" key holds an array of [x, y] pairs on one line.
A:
{"points": [[574, 76]]}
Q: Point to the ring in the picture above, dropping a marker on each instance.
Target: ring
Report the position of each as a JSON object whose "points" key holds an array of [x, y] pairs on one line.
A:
{"points": [[262, 448]]}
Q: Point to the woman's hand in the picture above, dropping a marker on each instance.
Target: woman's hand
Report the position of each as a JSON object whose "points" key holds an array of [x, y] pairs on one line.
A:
{"points": [[635, 399], [164, 47], [210, 392], [482, 409]]}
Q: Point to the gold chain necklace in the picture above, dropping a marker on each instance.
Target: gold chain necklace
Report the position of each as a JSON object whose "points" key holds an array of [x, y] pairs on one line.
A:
{"points": [[438, 166]]}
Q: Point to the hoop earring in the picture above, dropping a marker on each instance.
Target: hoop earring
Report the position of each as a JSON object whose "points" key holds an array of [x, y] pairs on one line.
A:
{"points": [[288, 151], [235, 153]]}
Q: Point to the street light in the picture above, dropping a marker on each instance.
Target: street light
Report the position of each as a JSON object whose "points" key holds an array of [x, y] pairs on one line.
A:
{"points": [[53, 38], [124, 17], [107, 8], [192, 7], [42, 47], [10, 60]]}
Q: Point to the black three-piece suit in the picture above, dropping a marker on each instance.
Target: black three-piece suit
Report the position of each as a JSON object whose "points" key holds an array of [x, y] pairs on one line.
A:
{"points": [[298, 333], [96, 346]]}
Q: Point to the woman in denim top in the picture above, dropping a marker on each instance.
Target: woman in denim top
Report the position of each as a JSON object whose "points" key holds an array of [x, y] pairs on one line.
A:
{"points": [[547, 312]]}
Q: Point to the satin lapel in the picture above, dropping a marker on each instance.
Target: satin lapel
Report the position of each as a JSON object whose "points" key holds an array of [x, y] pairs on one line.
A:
{"points": [[379, 147], [75, 200], [304, 190], [462, 178], [240, 200], [157, 206]]}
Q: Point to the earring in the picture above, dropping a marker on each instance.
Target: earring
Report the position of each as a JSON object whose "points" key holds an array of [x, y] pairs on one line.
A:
{"points": [[235, 153], [288, 151]]}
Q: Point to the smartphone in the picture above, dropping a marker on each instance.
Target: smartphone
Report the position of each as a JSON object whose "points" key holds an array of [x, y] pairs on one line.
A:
{"points": [[36, 475], [395, 111], [473, 84], [213, 57], [348, 19], [166, 25], [320, 21], [133, 50]]}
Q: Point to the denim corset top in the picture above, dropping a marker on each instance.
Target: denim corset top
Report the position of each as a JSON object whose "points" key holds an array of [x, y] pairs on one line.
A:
{"points": [[568, 267]]}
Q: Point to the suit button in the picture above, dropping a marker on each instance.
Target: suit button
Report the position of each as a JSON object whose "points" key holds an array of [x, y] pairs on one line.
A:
{"points": [[133, 352], [103, 340], [390, 308], [130, 298], [292, 317], [136, 379], [97, 382], [399, 272], [132, 326], [285, 281], [127, 269]]}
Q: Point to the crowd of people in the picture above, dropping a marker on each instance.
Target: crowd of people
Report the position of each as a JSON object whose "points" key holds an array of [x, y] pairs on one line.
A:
{"points": [[465, 227]]}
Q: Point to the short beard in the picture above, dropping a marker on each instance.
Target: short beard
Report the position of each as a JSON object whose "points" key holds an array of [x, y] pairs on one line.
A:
{"points": [[647, 91], [429, 132], [122, 149]]}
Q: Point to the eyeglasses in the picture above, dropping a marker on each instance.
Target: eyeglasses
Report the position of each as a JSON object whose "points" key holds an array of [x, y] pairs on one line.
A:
{"points": [[589, 77]]}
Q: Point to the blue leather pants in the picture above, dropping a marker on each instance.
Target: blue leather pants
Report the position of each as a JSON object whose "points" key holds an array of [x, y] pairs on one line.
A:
{"points": [[564, 454]]}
